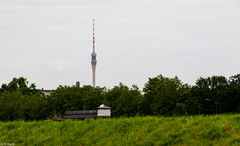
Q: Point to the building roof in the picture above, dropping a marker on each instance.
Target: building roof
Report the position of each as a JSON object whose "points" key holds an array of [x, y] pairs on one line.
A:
{"points": [[102, 106]]}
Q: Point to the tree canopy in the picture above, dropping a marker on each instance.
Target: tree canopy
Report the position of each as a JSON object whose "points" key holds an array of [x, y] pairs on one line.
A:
{"points": [[161, 95]]}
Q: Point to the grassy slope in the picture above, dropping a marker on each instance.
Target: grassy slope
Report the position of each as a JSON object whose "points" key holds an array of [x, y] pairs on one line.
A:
{"points": [[197, 130]]}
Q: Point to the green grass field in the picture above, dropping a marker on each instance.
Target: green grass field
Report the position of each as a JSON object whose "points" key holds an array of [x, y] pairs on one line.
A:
{"points": [[189, 130]]}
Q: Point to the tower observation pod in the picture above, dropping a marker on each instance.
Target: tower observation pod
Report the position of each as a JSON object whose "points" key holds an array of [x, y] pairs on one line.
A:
{"points": [[94, 59]]}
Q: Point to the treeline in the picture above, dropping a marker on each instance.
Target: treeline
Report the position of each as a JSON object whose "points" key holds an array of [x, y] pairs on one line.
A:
{"points": [[160, 96]]}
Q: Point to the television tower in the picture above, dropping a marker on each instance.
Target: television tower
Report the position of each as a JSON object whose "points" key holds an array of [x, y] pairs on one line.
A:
{"points": [[94, 59]]}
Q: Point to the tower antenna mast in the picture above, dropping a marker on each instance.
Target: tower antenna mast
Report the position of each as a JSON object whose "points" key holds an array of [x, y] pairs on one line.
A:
{"points": [[94, 59], [93, 36]]}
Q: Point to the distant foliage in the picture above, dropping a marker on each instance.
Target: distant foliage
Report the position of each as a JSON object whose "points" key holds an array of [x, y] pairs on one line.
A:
{"points": [[124, 101], [18, 100], [74, 98], [160, 96], [164, 96], [20, 85], [216, 94]]}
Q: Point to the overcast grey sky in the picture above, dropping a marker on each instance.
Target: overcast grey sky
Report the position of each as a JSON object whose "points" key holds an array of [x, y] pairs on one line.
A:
{"points": [[50, 41]]}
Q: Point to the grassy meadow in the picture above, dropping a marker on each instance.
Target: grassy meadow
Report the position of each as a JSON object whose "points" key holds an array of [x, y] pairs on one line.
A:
{"points": [[186, 130]]}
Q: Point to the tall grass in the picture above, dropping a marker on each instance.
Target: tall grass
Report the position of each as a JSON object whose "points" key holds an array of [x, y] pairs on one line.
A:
{"points": [[189, 130]]}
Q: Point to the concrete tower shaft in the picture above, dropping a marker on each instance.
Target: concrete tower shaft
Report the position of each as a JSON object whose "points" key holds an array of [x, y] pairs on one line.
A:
{"points": [[94, 59]]}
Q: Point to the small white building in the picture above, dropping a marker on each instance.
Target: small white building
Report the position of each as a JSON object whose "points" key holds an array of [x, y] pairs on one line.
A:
{"points": [[104, 111]]}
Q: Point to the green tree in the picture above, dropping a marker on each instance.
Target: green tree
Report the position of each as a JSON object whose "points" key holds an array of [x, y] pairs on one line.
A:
{"points": [[19, 84], [32, 107], [211, 94], [124, 101], [73, 98], [234, 86], [164, 96], [8, 105], [18, 100]]}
